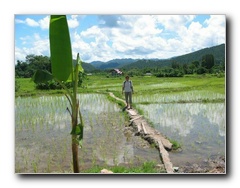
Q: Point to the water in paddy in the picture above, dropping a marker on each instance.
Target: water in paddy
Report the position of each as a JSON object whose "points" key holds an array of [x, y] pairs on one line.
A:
{"points": [[43, 140], [200, 128]]}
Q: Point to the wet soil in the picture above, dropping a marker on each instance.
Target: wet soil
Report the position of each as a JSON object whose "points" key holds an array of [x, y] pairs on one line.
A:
{"points": [[214, 165]]}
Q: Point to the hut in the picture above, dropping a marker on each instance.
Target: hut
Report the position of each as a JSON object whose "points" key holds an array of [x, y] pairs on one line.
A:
{"points": [[116, 72]]}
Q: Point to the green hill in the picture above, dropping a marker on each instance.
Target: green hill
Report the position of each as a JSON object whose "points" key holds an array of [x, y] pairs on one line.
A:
{"points": [[115, 63], [217, 51], [86, 66]]}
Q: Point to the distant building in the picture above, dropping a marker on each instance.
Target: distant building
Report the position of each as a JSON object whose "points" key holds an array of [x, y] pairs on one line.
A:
{"points": [[148, 74], [116, 72]]}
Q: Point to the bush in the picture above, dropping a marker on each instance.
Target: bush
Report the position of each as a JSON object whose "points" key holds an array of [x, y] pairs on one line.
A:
{"points": [[202, 70], [54, 85], [51, 85], [170, 73]]}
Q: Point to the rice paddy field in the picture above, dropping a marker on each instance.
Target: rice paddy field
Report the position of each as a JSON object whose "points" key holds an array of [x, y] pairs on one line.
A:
{"points": [[189, 110], [43, 141]]}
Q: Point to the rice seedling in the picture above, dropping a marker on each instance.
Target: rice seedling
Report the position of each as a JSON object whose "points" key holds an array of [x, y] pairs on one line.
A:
{"points": [[180, 97], [44, 133]]}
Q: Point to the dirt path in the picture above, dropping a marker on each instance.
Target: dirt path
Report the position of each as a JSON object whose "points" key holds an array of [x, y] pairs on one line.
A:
{"points": [[143, 129]]}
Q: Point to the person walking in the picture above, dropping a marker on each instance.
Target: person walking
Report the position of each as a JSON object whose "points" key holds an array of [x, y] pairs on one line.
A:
{"points": [[127, 88]]}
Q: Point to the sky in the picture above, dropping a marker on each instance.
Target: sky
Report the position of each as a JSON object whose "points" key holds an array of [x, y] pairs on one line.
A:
{"points": [[106, 37]]}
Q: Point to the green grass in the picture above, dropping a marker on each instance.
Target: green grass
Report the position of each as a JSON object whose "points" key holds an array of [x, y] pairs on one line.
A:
{"points": [[147, 167], [142, 85], [27, 88], [175, 144]]}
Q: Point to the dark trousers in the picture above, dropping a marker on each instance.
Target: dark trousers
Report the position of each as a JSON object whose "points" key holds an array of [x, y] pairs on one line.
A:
{"points": [[128, 98]]}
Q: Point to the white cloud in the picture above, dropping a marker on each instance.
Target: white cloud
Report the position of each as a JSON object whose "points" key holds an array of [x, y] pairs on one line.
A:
{"points": [[81, 47], [217, 28], [92, 32], [197, 36], [133, 36], [40, 46], [139, 36], [18, 21], [44, 23], [32, 45], [145, 25], [92, 44], [127, 36], [173, 22], [73, 22], [136, 36], [31, 22], [19, 54], [25, 39]]}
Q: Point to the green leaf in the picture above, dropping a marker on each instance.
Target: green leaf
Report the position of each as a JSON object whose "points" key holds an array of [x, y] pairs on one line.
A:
{"points": [[80, 143], [80, 135], [79, 62], [76, 64], [42, 76], [60, 47], [81, 131], [78, 130]]}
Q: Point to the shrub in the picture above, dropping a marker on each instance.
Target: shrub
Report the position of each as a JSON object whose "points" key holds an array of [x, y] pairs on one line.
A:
{"points": [[51, 85]]}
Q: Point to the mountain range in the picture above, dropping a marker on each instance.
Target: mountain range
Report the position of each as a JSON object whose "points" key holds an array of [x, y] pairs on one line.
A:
{"points": [[217, 51]]}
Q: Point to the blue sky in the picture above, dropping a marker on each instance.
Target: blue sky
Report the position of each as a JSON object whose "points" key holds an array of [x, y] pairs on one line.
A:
{"points": [[106, 37]]}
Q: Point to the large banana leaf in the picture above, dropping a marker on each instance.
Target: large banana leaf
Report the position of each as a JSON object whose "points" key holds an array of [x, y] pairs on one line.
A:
{"points": [[42, 76], [60, 47]]}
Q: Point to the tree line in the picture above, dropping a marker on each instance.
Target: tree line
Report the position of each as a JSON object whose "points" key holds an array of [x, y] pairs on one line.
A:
{"points": [[27, 68], [208, 64], [38, 62]]}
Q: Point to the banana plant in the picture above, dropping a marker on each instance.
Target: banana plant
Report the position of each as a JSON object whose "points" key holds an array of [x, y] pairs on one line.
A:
{"points": [[64, 70]]}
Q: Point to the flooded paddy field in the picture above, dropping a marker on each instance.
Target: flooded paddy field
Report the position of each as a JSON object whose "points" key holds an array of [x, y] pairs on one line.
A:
{"points": [[190, 111], [199, 127], [43, 140]]}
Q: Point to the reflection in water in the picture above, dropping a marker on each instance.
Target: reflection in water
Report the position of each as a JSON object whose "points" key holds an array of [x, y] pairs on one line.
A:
{"points": [[199, 127], [182, 117]]}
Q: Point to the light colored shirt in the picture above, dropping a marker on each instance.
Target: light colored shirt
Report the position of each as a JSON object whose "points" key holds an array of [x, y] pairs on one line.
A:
{"points": [[127, 86]]}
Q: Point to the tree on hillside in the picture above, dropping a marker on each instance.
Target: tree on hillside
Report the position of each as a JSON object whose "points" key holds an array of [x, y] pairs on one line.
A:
{"points": [[175, 65], [186, 69], [196, 63], [201, 70], [208, 61], [32, 63]]}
